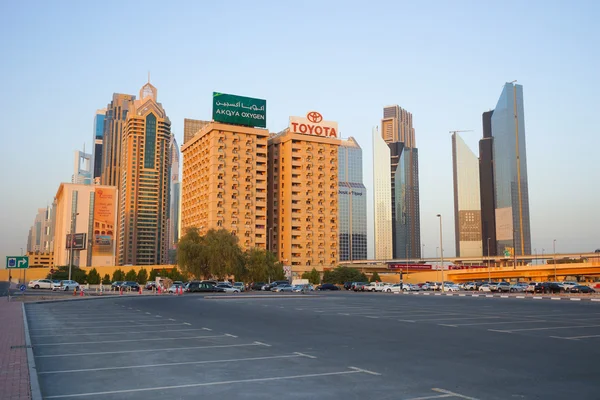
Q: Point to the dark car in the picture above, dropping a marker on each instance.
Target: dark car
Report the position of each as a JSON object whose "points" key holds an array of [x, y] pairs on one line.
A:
{"points": [[359, 286], [116, 285], [150, 285], [328, 286], [130, 286], [582, 289], [548, 287], [257, 285], [347, 285], [202, 287]]}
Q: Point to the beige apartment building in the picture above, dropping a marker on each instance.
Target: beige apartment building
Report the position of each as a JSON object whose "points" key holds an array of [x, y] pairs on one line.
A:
{"points": [[225, 182], [303, 195]]}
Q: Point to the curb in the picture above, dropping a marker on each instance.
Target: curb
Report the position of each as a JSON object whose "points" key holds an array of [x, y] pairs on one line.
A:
{"points": [[34, 384], [503, 296]]}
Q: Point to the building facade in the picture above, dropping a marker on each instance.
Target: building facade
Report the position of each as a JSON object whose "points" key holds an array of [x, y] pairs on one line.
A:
{"points": [[175, 188], [224, 182], [98, 141], [41, 235], [511, 189], [467, 205], [303, 195], [88, 210], [382, 198], [191, 127], [83, 172], [145, 182], [397, 131], [486, 185], [352, 200]]}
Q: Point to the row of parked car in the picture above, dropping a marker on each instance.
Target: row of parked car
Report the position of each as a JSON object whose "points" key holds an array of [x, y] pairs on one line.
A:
{"points": [[53, 284]]}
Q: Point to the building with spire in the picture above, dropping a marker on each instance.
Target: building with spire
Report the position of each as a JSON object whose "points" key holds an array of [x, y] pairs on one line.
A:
{"points": [[398, 132], [145, 176], [82, 168], [175, 188]]}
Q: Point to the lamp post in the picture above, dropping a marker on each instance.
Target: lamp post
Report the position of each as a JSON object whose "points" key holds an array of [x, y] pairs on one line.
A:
{"points": [[535, 252], [71, 239], [441, 251], [488, 260], [423, 253], [407, 260], [554, 257], [514, 251]]}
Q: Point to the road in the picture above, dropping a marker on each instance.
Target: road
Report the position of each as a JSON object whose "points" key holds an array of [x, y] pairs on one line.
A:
{"points": [[341, 345]]}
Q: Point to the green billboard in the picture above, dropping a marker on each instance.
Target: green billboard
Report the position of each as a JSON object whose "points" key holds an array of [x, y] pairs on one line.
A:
{"points": [[239, 110]]}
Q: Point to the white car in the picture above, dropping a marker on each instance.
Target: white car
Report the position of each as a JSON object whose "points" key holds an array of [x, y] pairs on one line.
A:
{"points": [[65, 285], [451, 288], [395, 288], [228, 288], [568, 285], [176, 288], [40, 284], [485, 288]]}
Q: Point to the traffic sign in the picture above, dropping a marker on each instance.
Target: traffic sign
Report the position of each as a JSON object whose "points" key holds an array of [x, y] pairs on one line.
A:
{"points": [[22, 288], [17, 262]]}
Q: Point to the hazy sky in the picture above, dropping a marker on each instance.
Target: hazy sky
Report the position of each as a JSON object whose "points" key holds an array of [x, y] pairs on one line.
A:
{"points": [[444, 61]]}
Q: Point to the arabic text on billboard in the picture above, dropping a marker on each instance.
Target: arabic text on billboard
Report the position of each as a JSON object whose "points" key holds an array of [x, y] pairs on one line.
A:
{"points": [[104, 221], [239, 110]]}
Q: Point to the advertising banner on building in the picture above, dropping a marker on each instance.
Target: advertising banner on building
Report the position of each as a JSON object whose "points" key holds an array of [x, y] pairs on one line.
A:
{"points": [[313, 124], [76, 241], [104, 221], [504, 223], [239, 110]]}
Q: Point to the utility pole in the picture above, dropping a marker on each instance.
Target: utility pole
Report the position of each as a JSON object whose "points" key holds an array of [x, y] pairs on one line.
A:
{"points": [[554, 257], [441, 251], [488, 261]]}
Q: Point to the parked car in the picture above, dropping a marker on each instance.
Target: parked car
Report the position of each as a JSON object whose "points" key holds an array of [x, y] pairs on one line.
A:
{"points": [[286, 287], [518, 287], [360, 286], [451, 288], [257, 285], [66, 285], [530, 287], [485, 287], [130, 286], [549, 287], [328, 286], [301, 287], [493, 286], [470, 286], [271, 285], [503, 287], [239, 285], [348, 285], [568, 285], [581, 289], [40, 284], [175, 288], [202, 287], [150, 285], [228, 288], [392, 288], [435, 285], [115, 285], [374, 287]]}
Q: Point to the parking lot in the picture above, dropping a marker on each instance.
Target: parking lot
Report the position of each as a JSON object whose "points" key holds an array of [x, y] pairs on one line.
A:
{"points": [[341, 345]]}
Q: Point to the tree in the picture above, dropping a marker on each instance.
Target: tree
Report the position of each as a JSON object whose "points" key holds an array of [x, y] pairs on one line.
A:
{"points": [[375, 277], [62, 273], [142, 275], [131, 275], [106, 279], [344, 274], [222, 253], [191, 254], [93, 277], [175, 275], [118, 275], [153, 275], [313, 276]]}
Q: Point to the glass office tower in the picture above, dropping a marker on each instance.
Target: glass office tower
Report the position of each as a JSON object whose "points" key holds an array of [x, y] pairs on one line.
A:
{"points": [[511, 191], [382, 198], [352, 198]]}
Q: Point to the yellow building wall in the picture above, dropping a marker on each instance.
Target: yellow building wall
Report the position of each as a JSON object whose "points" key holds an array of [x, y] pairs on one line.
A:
{"points": [[41, 273]]}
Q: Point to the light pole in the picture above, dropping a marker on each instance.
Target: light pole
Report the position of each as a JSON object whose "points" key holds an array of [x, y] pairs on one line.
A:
{"points": [[488, 260], [554, 257], [71, 240], [23, 269], [407, 260], [514, 251], [535, 252], [423, 252], [441, 251]]}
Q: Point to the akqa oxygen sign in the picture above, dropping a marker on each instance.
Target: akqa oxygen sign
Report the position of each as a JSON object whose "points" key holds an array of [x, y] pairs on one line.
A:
{"points": [[239, 110], [313, 124]]}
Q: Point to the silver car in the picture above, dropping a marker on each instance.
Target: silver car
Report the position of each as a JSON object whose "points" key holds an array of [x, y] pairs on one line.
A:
{"points": [[40, 284], [66, 285]]}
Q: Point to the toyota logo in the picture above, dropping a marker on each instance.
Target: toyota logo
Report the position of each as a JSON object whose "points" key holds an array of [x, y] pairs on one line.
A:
{"points": [[314, 117]]}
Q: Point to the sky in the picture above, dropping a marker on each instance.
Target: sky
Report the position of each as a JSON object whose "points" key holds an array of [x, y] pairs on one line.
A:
{"points": [[445, 62]]}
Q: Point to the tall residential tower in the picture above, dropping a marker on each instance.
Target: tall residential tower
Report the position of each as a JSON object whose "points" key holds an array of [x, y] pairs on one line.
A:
{"points": [[382, 199]]}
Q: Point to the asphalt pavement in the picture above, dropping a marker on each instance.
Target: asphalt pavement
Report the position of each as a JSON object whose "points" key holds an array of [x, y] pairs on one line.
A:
{"points": [[340, 345]]}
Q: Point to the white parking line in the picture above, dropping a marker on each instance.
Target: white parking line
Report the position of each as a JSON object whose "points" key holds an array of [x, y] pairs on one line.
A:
{"points": [[91, 323], [575, 337], [70, 371], [365, 371], [99, 353], [230, 335], [103, 327], [192, 385], [437, 396], [548, 328], [129, 340], [453, 394], [117, 333], [304, 355], [495, 323], [454, 319]]}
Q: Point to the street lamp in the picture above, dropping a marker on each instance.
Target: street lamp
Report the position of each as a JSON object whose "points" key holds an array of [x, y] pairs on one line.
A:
{"points": [[488, 261], [407, 260], [72, 238], [554, 257], [535, 252], [441, 251]]}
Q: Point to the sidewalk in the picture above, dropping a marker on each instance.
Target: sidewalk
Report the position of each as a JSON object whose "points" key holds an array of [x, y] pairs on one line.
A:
{"points": [[14, 372]]}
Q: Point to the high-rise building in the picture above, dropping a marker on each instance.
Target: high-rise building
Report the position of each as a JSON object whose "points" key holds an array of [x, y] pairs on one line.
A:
{"points": [[40, 237], [398, 132], [175, 183], [303, 194], [352, 200], [382, 198], [467, 205], [116, 114], [82, 168], [486, 185], [97, 142], [145, 182], [89, 211], [191, 127], [511, 189], [224, 182]]}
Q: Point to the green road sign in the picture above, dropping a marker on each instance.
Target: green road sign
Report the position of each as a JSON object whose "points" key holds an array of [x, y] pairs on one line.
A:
{"points": [[239, 110], [17, 262]]}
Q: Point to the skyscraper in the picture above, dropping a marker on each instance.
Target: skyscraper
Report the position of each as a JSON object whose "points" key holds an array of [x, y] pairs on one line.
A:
{"points": [[97, 142], [511, 189], [382, 198], [486, 185], [83, 168], [467, 205], [398, 132], [175, 197], [145, 182], [40, 237], [352, 199]]}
